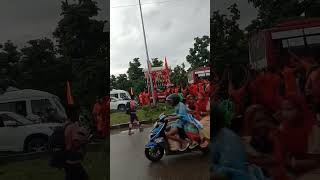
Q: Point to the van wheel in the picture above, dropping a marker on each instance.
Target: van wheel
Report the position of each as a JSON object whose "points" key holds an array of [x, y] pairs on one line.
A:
{"points": [[37, 144], [121, 107]]}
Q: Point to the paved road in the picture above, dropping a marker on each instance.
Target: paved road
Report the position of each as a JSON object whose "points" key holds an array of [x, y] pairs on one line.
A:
{"points": [[128, 161]]}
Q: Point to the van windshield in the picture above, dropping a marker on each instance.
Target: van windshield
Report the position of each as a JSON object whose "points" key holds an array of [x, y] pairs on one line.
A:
{"points": [[124, 96], [58, 104], [18, 107]]}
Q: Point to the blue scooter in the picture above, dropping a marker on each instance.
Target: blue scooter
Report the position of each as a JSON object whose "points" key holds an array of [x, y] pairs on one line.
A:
{"points": [[158, 144]]}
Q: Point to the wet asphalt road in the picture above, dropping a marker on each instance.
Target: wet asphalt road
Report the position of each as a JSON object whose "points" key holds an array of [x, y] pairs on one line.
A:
{"points": [[128, 161]]}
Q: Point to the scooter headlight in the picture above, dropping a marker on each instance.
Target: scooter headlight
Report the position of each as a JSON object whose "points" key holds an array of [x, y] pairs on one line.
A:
{"points": [[159, 140]]}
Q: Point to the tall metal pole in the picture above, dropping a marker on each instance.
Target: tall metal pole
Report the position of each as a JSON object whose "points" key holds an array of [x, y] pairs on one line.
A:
{"points": [[148, 61]]}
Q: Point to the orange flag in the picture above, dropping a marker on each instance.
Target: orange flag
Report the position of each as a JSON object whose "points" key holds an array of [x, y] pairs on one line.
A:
{"points": [[69, 94]]}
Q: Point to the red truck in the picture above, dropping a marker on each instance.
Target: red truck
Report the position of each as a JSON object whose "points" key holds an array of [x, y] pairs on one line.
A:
{"points": [[198, 74], [272, 47]]}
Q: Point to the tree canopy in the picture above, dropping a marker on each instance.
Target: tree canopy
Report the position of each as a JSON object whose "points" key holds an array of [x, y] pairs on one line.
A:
{"points": [[199, 54]]}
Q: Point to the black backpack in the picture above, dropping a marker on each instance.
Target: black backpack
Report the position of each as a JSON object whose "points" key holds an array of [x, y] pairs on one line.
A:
{"points": [[57, 147], [128, 108]]}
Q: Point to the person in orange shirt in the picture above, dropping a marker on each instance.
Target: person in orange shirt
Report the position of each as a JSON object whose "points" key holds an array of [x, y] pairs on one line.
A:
{"points": [[96, 112]]}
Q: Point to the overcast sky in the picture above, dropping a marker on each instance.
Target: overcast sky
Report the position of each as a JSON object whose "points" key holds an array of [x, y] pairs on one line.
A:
{"points": [[247, 11], [23, 20], [170, 28]]}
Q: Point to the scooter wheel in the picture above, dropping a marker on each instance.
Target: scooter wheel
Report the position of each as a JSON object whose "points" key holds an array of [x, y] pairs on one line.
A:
{"points": [[154, 154]]}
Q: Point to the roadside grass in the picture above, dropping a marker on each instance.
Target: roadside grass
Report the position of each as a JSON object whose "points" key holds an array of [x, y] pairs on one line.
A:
{"points": [[144, 113], [96, 164]]}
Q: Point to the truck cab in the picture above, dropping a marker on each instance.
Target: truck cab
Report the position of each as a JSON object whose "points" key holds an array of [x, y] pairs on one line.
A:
{"points": [[275, 46]]}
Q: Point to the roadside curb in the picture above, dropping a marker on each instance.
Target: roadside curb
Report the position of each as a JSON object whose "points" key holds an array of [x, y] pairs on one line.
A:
{"points": [[5, 159], [126, 125]]}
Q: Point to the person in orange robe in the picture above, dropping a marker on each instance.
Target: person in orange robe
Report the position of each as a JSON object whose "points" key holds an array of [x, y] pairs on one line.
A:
{"points": [[141, 99], [105, 111], [267, 87], [290, 80], [193, 90], [144, 98], [96, 112], [312, 83], [201, 105], [201, 88], [237, 95]]}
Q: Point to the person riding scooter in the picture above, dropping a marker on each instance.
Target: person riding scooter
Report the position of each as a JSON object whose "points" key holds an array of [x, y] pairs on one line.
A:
{"points": [[183, 120], [180, 108]]}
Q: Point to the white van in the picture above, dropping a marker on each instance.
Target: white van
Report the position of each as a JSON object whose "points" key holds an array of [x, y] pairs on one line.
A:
{"points": [[120, 94], [32, 104]]}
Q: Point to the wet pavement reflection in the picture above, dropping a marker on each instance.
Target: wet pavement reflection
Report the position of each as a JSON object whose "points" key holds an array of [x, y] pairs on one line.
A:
{"points": [[129, 162]]}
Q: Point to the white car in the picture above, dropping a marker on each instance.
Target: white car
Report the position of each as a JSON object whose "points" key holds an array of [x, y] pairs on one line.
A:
{"points": [[18, 134], [118, 104]]}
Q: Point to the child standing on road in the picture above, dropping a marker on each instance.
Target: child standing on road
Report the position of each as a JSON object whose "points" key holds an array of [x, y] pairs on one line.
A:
{"points": [[75, 138], [132, 111]]}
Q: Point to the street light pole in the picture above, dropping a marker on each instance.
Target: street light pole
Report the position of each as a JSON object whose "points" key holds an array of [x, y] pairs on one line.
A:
{"points": [[148, 61]]}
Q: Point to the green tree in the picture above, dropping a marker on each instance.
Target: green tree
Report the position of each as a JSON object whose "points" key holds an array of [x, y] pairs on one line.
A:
{"points": [[9, 59], [113, 82], [78, 34], [229, 44], [136, 75], [156, 62], [135, 71], [272, 12], [83, 44], [199, 54], [178, 76], [123, 82], [40, 69]]}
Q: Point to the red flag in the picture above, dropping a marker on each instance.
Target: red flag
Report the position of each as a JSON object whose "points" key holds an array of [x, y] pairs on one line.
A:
{"points": [[167, 72], [69, 94], [166, 64]]}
